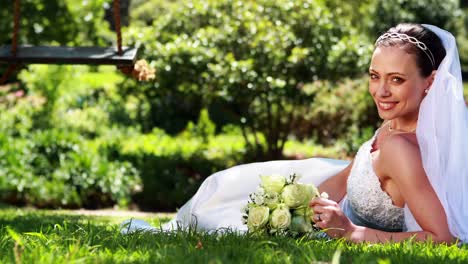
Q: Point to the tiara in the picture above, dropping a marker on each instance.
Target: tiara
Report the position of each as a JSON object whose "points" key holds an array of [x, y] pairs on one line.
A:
{"points": [[413, 40]]}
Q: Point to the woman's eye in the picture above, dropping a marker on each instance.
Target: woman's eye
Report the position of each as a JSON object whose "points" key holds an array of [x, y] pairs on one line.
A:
{"points": [[397, 80], [373, 76]]}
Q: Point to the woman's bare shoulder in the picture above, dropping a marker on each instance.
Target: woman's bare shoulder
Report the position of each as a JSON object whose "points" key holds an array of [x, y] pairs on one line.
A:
{"points": [[400, 142], [400, 155]]}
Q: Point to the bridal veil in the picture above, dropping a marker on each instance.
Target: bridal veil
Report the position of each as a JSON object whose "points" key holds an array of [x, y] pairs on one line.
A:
{"points": [[442, 133]]}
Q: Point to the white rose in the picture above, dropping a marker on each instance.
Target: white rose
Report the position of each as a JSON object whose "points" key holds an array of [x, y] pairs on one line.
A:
{"points": [[273, 183], [313, 191], [258, 217], [281, 217], [295, 195]]}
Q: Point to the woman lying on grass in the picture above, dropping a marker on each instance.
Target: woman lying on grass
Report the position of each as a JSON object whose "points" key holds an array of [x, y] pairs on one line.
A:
{"points": [[408, 181]]}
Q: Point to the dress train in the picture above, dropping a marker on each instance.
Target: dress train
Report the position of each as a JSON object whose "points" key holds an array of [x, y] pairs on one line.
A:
{"points": [[218, 202]]}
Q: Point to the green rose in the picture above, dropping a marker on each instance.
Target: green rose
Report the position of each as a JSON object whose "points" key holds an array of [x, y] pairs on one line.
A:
{"points": [[281, 217], [304, 211], [300, 224], [313, 191], [295, 195], [258, 217], [273, 183], [271, 200]]}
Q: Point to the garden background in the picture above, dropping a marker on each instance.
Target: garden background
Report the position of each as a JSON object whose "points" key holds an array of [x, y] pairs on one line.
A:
{"points": [[236, 82]]}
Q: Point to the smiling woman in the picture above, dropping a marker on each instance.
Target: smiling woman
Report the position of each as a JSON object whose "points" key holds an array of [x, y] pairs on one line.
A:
{"points": [[396, 86], [407, 181]]}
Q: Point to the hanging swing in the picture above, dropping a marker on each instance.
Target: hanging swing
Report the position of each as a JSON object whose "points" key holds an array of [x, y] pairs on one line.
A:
{"points": [[123, 57]]}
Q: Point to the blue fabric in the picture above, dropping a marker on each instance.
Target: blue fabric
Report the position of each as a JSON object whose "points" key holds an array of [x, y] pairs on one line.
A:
{"points": [[361, 221]]}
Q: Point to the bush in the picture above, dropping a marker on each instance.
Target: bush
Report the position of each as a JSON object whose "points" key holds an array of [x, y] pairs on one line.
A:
{"points": [[445, 14], [56, 22], [52, 151], [254, 55], [56, 168], [172, 168], [341, 112]]}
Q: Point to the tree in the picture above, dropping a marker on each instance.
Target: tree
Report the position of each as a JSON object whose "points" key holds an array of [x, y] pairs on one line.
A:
{"points": [[256, 56]]}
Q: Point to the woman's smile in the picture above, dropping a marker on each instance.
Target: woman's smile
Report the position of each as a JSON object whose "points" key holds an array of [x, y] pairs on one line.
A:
{"points": [[386, 106]]}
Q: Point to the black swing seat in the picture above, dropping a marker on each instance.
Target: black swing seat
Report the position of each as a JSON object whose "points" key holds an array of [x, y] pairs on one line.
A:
{"points": [[68, 55]]}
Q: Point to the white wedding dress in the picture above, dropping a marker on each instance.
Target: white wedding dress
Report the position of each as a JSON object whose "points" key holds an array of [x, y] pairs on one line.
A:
{"points": [[441, 133], [219, 200]]}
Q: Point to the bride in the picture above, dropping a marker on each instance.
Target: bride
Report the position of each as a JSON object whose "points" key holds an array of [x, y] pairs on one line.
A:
{"points": [[408, 181]]}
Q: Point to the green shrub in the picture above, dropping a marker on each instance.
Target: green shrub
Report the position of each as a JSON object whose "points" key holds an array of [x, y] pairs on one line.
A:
{"points": [[54, 168], [341, 112], [77, 98], [445, 14], [172, 168], [254, 55], [56, 22], [52, 149], [205, 128]]}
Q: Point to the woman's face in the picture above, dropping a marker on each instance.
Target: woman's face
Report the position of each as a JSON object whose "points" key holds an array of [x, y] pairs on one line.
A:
{"points": [[396, 84]]}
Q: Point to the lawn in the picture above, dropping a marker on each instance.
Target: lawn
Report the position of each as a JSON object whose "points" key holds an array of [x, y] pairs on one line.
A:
{"points": [[40, 236]]}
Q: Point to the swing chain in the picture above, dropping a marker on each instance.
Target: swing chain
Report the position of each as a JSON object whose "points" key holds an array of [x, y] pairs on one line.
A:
{"points": [[117, 26], [14, 46], [16, 25]]}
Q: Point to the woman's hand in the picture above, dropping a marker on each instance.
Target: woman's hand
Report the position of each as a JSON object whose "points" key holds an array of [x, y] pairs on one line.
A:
{"points": [[329, 216]]}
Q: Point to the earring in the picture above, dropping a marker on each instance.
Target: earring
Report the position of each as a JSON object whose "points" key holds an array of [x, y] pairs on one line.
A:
{"points": [[426, 91]]}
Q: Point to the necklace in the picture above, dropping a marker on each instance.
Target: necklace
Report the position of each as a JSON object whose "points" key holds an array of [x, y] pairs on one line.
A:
{"points": [[391, 129]]}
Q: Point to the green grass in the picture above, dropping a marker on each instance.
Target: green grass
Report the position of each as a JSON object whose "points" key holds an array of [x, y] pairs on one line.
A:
{"points": [[33, 236]]}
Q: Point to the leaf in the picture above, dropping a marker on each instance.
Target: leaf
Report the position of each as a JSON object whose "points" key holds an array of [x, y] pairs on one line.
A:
{"points": [[15, 236]]}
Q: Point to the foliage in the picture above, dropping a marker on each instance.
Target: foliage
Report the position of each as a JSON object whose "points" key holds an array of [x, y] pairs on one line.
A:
{"points": [[53, 21], [272, 70], [346, 111], [144, 12], [50, 156], [462, 42], [255, 56], [54, 168], [78, 98], [54, 237], [205, 128], [57, 22], [445, 14], [172, 168]]}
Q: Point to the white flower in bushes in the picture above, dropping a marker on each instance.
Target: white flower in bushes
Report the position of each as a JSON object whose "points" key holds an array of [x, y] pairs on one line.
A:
{"points": [[280, 217], [258, 217], [273, 183]]}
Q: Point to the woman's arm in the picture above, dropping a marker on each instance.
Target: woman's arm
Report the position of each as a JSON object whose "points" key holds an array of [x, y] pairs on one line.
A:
{"points": [[400, 160], [333, 221], [335, 186]]}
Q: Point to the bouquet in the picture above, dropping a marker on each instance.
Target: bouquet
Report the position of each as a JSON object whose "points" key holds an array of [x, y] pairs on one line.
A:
{"points": [[280, 205]]}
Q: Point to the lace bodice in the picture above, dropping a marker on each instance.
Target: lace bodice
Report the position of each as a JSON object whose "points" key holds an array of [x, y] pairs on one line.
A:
{"points": [[365, 195]]}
